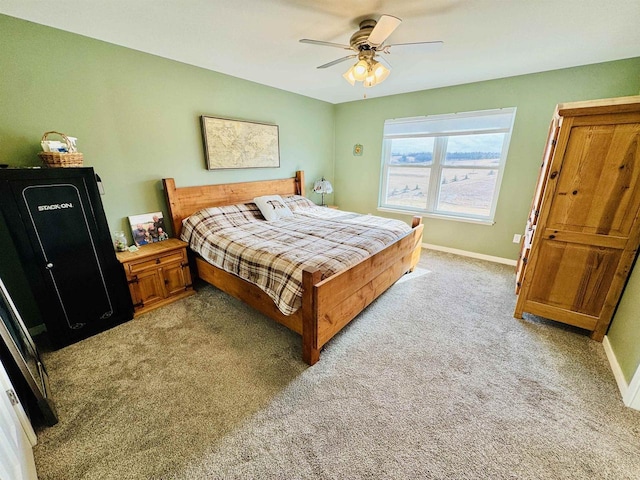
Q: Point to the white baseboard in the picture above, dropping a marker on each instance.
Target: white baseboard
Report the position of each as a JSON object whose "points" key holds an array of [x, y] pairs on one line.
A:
{"points": [[615, 367], [630, 392], [632, 398], [465, 253]]}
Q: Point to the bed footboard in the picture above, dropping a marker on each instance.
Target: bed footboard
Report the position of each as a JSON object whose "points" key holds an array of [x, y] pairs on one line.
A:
{"points": [[329, 305]]}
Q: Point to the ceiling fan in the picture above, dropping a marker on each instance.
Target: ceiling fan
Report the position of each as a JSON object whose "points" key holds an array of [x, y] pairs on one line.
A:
{"points": [[368, 43]]}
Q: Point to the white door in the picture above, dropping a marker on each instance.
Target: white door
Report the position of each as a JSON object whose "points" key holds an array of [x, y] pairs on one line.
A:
{"points": [[17, 437]]}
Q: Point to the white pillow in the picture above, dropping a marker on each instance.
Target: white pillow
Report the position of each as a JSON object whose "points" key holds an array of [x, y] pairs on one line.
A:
{"points": [[272, 207]]}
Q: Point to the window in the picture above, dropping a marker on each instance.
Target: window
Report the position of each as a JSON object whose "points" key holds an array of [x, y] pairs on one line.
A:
{"points": [[445, 165]]}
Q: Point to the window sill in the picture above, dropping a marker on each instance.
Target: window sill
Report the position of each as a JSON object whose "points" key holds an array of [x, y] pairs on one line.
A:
{"points": [[438, 216]]}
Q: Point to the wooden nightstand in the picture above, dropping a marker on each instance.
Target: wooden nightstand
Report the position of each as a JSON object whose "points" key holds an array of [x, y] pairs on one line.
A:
{"points": [[335, 207], [157, 274]]}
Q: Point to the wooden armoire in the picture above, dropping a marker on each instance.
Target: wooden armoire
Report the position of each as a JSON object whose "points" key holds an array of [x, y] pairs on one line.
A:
{"points": [[583, 231]]}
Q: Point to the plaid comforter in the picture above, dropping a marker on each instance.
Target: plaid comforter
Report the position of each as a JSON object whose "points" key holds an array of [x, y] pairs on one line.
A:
{"points": [[273, 254]]}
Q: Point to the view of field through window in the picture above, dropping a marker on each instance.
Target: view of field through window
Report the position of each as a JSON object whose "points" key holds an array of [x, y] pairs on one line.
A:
{"points": [[466, 176]]}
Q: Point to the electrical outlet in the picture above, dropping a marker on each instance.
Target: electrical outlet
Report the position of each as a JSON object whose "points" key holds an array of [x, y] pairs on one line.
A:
{"points": [[516, 238]]}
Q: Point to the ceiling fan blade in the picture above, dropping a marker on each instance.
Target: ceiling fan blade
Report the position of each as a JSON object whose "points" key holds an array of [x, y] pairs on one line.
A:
{"points": [[417, 47], [325, 44], [335, 62], [385, 27]]}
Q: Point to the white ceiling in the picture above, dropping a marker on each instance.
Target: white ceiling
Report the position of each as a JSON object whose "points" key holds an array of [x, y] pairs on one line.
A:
{"points": [[258, 39]]}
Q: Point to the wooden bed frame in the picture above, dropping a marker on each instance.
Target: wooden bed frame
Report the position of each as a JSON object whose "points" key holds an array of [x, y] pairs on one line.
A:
{"points": [[327, 305]]}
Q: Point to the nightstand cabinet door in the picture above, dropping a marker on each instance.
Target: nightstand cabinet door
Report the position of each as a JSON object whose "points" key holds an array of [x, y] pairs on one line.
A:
{"points": [[176, 277], [146, 288]]}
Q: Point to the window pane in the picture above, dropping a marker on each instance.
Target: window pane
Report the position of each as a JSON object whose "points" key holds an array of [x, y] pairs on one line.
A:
{"points": [[475, 150], [408, 186], [417, 151], [466, 190]]}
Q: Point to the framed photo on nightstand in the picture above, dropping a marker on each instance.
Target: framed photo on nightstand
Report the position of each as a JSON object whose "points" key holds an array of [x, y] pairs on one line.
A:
{"points": [[147, 228]]}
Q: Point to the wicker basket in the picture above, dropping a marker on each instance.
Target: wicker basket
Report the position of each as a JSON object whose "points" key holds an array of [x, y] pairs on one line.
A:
{"points": [[59, 159]]}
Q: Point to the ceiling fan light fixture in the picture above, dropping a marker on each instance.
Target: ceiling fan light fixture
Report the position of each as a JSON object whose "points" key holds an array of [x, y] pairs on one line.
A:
{"points": [[348, 76], [360, 70], [380, 72], [369, 72]]}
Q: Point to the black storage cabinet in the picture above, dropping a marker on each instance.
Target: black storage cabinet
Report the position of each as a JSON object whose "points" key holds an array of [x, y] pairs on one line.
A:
{"points": [[58, 226]]}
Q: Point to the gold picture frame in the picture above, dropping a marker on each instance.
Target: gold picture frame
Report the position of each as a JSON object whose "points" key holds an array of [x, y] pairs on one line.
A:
{"points": [[236, 144]]}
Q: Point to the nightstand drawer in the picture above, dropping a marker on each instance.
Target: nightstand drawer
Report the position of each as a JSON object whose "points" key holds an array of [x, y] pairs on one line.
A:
{"points": [[136, 267]]}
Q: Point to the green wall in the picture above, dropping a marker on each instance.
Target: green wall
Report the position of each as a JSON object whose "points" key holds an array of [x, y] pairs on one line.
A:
{"points": [[137, 119], [535, 96], [136, 115]]}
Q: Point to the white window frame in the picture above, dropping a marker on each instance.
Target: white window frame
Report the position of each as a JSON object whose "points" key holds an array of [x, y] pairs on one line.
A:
{"points": [[438, 164]]}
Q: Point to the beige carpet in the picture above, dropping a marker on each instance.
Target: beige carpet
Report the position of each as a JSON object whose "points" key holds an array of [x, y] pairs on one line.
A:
{"points": [[435, 379]]}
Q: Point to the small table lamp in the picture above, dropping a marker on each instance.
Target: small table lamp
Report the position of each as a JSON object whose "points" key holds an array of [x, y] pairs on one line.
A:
{"points": [[322, 187]]}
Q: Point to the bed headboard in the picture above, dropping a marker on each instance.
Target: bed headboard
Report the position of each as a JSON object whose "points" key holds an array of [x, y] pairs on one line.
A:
{"points": [[184, 201]]}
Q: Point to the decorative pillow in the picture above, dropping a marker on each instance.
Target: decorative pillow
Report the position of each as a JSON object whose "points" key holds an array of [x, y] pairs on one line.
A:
{"points": [[272, 207]]}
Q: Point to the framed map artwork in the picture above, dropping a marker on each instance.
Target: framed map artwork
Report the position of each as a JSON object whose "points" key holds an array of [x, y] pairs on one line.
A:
{"points": [[239, 144]]}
